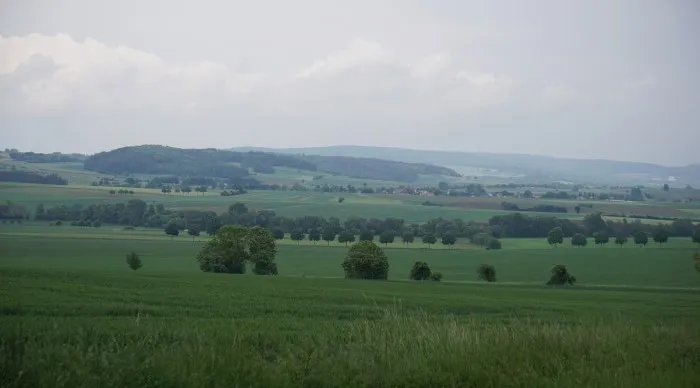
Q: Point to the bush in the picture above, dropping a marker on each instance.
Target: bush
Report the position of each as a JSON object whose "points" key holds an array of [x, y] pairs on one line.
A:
{"points": [[561, 276], [486, 272], [436, 276], [420, 271], [579, 240], [366, 260], [696, 259], [59, 223], [134, 261], [493, 244]]}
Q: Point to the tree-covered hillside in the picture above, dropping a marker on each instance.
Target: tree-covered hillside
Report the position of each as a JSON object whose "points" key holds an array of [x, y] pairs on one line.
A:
{"points": [[156, 159]]}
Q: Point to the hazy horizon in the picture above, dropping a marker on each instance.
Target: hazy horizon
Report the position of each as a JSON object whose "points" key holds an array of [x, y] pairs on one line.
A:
{"points": [[575, 79]]}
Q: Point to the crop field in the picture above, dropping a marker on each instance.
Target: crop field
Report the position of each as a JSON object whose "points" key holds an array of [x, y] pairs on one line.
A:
{"points": [[72, 314], [286, 203]]}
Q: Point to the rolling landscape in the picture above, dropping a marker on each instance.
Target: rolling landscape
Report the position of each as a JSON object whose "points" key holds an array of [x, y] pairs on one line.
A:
{"points": [[314, 194], [70, 220]]}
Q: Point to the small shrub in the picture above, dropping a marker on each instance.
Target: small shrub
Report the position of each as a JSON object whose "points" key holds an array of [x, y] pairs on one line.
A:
{"points": [[436, 276], [486, 272], [420, 271], [134, 261], [561, 276], [493, 244]]}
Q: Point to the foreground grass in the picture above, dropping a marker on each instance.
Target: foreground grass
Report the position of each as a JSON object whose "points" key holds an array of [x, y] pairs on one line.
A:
{"points": [[109, 329]]}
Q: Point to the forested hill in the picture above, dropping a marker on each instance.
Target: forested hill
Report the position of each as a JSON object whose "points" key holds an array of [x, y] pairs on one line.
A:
{"points": [[533, 167], [156, 159]]}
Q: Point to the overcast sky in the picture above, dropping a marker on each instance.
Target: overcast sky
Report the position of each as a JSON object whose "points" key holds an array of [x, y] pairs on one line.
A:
{"points": [[615, 79]]}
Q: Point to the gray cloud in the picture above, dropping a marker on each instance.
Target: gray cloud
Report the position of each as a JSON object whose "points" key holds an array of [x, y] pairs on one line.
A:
{"points": [[567, 78]]}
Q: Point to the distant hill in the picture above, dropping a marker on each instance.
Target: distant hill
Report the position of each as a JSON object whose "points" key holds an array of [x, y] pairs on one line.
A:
{"points": [[532, 168], [156, 159]]}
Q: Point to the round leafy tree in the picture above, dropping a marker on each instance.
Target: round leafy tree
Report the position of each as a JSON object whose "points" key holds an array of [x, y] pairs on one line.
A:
{"points": [[449, 239], [366, 260], [600, 238], [436, 276], [660, 235], [579, 240], [234, 246], [493, 244], [429, 239], [420, 271], [346, 237], [486, 272], [641, 238], [387, 237], [621, 240], [555, 236], [366, 235], [561, 276]]}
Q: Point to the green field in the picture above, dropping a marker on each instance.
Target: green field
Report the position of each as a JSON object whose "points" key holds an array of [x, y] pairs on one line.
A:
{"points": [[72, 314]]}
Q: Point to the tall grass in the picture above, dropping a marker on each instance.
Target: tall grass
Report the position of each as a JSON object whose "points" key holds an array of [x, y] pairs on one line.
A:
{"points": [[400, 349]]}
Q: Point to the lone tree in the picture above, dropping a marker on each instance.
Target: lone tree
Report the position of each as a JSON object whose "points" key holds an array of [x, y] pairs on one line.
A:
{"points": [[172, 230], [233, 246], [561, 276], [696, 236], [366, 260], [346, 237], [486, 272], [621, 240], [297, 235], [407, 238], [328, 235], [314, 235], [641, 238], [600, 238], [387, 237], [193, 231], [133, 260], [660, 236], [420, 271], [429, 239], [449, 239], [555, 236], [579, 240]]}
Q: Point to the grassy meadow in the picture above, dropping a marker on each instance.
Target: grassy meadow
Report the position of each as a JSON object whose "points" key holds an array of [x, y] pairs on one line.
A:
{"points": [[72, 314]]}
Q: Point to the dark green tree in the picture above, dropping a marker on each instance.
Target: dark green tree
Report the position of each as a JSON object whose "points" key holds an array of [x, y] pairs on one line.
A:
{"points": [[328, 235], [436, 276], [366, 260], [387, 237], [429, 239], [297, 235], [621, 240], [660, 235], [346, 237], [601, 238], [493, 244], [278, 233], [560, 275], [172, 229], [133, 261], [233, 246], [407, 238], [486, 272], [666, 188], [641, 238], [193, 231], [579, 240], [366, 235], [555, 236], [314, 235], [420, 271], [449, 239], [696, 236]]}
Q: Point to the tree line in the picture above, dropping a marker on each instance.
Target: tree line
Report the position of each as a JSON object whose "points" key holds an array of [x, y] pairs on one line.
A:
{"points": [[31, 177]]}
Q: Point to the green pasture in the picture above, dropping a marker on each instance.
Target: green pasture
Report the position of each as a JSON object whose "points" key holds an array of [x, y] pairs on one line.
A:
{"points": [[524, 261], [72, 314]]}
